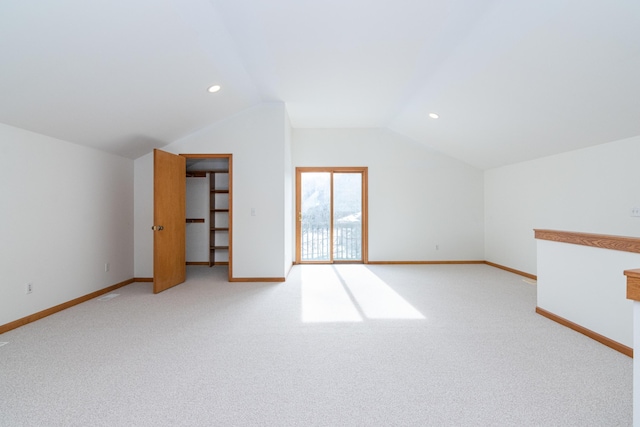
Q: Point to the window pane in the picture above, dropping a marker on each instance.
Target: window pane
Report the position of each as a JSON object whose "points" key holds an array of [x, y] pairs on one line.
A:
{"points": [[316, 216], [347, 219]]}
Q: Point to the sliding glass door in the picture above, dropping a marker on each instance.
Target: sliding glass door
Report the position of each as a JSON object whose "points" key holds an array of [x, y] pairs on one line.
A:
{"points": [[315, 216], [347, 216], [331, 206]]}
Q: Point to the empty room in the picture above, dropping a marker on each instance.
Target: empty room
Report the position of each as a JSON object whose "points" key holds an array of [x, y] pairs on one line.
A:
{"points": [[297, 213]]}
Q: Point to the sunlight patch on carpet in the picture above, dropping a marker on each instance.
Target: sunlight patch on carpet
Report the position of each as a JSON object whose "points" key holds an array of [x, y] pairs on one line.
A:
{"points": [[324, 299], [376, 299], [349, 293]]}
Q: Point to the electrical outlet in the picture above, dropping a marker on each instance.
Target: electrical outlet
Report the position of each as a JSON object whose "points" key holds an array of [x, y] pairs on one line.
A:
{"points": [[107, 267], [635, 211], [29, 288]]}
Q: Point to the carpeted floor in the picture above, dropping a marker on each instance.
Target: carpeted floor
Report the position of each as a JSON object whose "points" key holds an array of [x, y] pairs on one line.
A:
{"points": [[348, 345]]}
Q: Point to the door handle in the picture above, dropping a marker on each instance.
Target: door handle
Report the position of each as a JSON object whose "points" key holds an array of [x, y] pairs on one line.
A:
{"points": [[157, 228], [299, 216]]}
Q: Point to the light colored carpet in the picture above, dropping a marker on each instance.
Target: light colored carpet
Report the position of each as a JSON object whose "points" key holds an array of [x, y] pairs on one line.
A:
{"points": [[423, 345]]}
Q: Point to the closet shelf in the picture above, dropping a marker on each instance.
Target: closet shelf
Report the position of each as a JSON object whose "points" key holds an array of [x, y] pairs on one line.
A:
{"points": [[220, 191], [203, 174], [196, 174], [219, 228], [220, 247], [193, 220]]}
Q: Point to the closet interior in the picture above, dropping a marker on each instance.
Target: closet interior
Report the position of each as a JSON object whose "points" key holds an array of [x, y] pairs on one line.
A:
{"points": [[208, 211]]}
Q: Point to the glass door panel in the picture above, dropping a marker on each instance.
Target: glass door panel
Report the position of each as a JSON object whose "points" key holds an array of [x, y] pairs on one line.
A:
{"points": [[315, 216], [347, 216]]}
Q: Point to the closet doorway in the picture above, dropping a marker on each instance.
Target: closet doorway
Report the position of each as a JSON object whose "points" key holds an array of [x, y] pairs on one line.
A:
{"points": [[208, 219]]}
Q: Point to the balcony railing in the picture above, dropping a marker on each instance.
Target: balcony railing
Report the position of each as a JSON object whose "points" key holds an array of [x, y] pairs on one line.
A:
{"points": [[347, 242]]}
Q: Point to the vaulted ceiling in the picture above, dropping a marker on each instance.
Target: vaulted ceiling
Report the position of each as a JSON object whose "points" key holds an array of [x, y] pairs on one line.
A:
{"points": [[511, 80]]}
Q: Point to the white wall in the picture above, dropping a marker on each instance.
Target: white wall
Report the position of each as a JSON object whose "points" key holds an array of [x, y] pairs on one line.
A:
{"points": [[636, 364], [590, 190], [417, 198], [143, 216], [289, 189], [198, 206], [66, 211], [586, 285], [256, 138]]}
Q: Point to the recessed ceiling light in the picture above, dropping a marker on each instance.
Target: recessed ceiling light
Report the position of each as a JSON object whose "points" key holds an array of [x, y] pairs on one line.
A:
{"points": [[214, 88], [433, 115]]}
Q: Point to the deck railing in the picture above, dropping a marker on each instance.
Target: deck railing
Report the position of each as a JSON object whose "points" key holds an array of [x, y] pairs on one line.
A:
{"points": [[347, 242]]}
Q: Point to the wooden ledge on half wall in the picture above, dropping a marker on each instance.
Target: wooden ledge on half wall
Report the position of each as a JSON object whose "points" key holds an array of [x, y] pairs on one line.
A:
{"points": [[633, 284], [603, 241]]}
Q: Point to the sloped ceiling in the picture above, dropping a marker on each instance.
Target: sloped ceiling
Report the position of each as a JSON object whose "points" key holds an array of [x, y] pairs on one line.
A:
{"points": [[510, 80]]}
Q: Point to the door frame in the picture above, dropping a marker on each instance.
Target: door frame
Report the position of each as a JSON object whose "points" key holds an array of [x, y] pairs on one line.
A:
{"points": [[364, 170], [229, 158]]}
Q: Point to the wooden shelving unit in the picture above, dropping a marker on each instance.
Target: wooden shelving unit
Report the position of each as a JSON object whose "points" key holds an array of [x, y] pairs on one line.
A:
{"points": [[219, 217]]}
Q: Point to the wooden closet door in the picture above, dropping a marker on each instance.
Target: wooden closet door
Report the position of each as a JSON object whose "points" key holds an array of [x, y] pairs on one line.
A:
{"points": [[169, 219]]}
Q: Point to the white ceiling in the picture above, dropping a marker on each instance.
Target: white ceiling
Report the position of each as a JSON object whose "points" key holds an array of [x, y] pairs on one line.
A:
{"points": [[511, 80]]}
